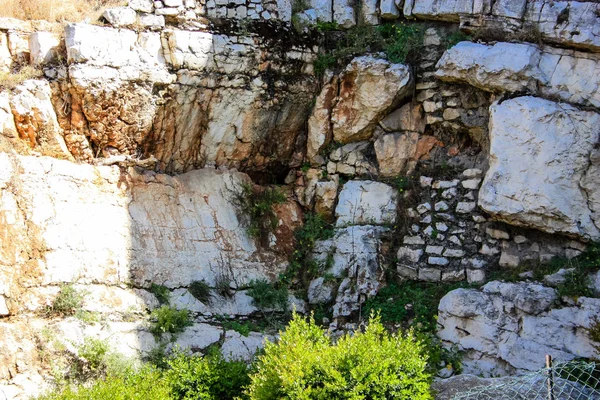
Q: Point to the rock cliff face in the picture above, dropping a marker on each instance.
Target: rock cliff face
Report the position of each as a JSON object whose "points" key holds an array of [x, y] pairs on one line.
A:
{"points": [[126, 165]]}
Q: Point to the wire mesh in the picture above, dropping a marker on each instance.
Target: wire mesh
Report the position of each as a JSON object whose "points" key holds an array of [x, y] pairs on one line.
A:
{"points": [[574, 380]]}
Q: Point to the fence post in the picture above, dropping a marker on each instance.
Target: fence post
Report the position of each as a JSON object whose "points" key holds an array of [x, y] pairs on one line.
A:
{"points": [[550, 377]]}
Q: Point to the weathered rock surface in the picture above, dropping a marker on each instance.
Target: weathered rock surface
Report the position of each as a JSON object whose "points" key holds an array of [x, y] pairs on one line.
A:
{"points": [[221, 111], [354, 252], [369, 88], [525, 184], [569, 23], [508, 327], [36, 120], [366, 202], [518, 67], [398, 153]]}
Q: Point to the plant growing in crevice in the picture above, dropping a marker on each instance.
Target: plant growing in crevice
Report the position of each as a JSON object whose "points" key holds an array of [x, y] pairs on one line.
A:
{"points": [[301, 261], [169, 320], [68, 302], [257, 204], [161, 293], [200, 290], [267, 295]]}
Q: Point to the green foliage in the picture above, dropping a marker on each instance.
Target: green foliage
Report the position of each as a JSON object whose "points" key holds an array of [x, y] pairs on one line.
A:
{"points": [[577, 281], [413, 304], [324, 62], [314, 228], [94, 351], [456, 37], [397, 40], [169, 320], [305, 167], [161, 292], [267, 295], [327, 26], [142, 385], [299, 6], [258, 206], [209, 378], [200, 290], [68, 301], [400, 40], [306, 364]]}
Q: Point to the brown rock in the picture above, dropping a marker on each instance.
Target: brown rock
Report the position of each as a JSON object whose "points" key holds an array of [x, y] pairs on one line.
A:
{"points": [[409, 117]]}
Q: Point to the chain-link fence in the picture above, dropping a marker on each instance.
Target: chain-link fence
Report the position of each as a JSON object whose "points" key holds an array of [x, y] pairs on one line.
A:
{"points": [[575, 380]]}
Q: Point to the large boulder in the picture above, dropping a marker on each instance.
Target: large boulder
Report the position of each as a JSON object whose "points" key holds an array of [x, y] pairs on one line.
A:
{"points": [[369, 89], [540, 165], [366, 202], [519, 67], [508, 327]]}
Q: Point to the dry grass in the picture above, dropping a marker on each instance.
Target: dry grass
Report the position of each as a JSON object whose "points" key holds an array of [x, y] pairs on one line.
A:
{"points": [[56, 10], [9, 80]]}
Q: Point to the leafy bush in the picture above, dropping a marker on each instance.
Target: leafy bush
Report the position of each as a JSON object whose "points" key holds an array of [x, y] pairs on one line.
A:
{"points": [[161, 292], [258, 206], [306, 364], [210, 377], [68, 301], [142, 385], [267, 295], [200, 290], [169, 320]]}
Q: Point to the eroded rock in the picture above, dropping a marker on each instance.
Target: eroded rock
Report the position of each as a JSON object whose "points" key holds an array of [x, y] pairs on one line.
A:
{"points": [[528, 136]]}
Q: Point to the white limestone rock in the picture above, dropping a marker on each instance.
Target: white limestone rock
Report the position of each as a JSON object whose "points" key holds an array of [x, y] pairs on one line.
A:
{"points": [[397, 153], [146, 6], [43, 47], [320, 291], [510, 324], [120, 16], [324, 9], [366, 202], [5, 56], [198, 337], [7, 120], [35, 118], [343, 13], [527, 136], [369, 88], [319, 123], [518, 67], [238, 347], [388, 10]]}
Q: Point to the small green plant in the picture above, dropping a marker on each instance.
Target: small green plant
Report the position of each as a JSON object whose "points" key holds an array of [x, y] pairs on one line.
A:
{"points": [[161, 293], [324, 62], [456, 37], [209, 377], [200, 290], [305, 167], [94, 351], [169, 320], [400, 40], [267, 295], [299, 6], [306, 364], [258, 206], [68, 301], [314, 228], [327, 26]]}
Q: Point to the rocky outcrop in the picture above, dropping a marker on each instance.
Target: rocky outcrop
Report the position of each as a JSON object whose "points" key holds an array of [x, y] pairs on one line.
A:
{"points": [[508, 327], [527, 138], [366, 202], [569, 23], [368, 89], [518, 67], [113, 233]]}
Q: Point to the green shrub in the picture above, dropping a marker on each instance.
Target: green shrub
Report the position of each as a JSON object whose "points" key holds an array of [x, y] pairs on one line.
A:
{"points": [[267, 295], [68, 301], [306, 364], [200, 290], [456, 37], [258, 206], [161, 292], [169, 320], [210, 377], [142, 385]]}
